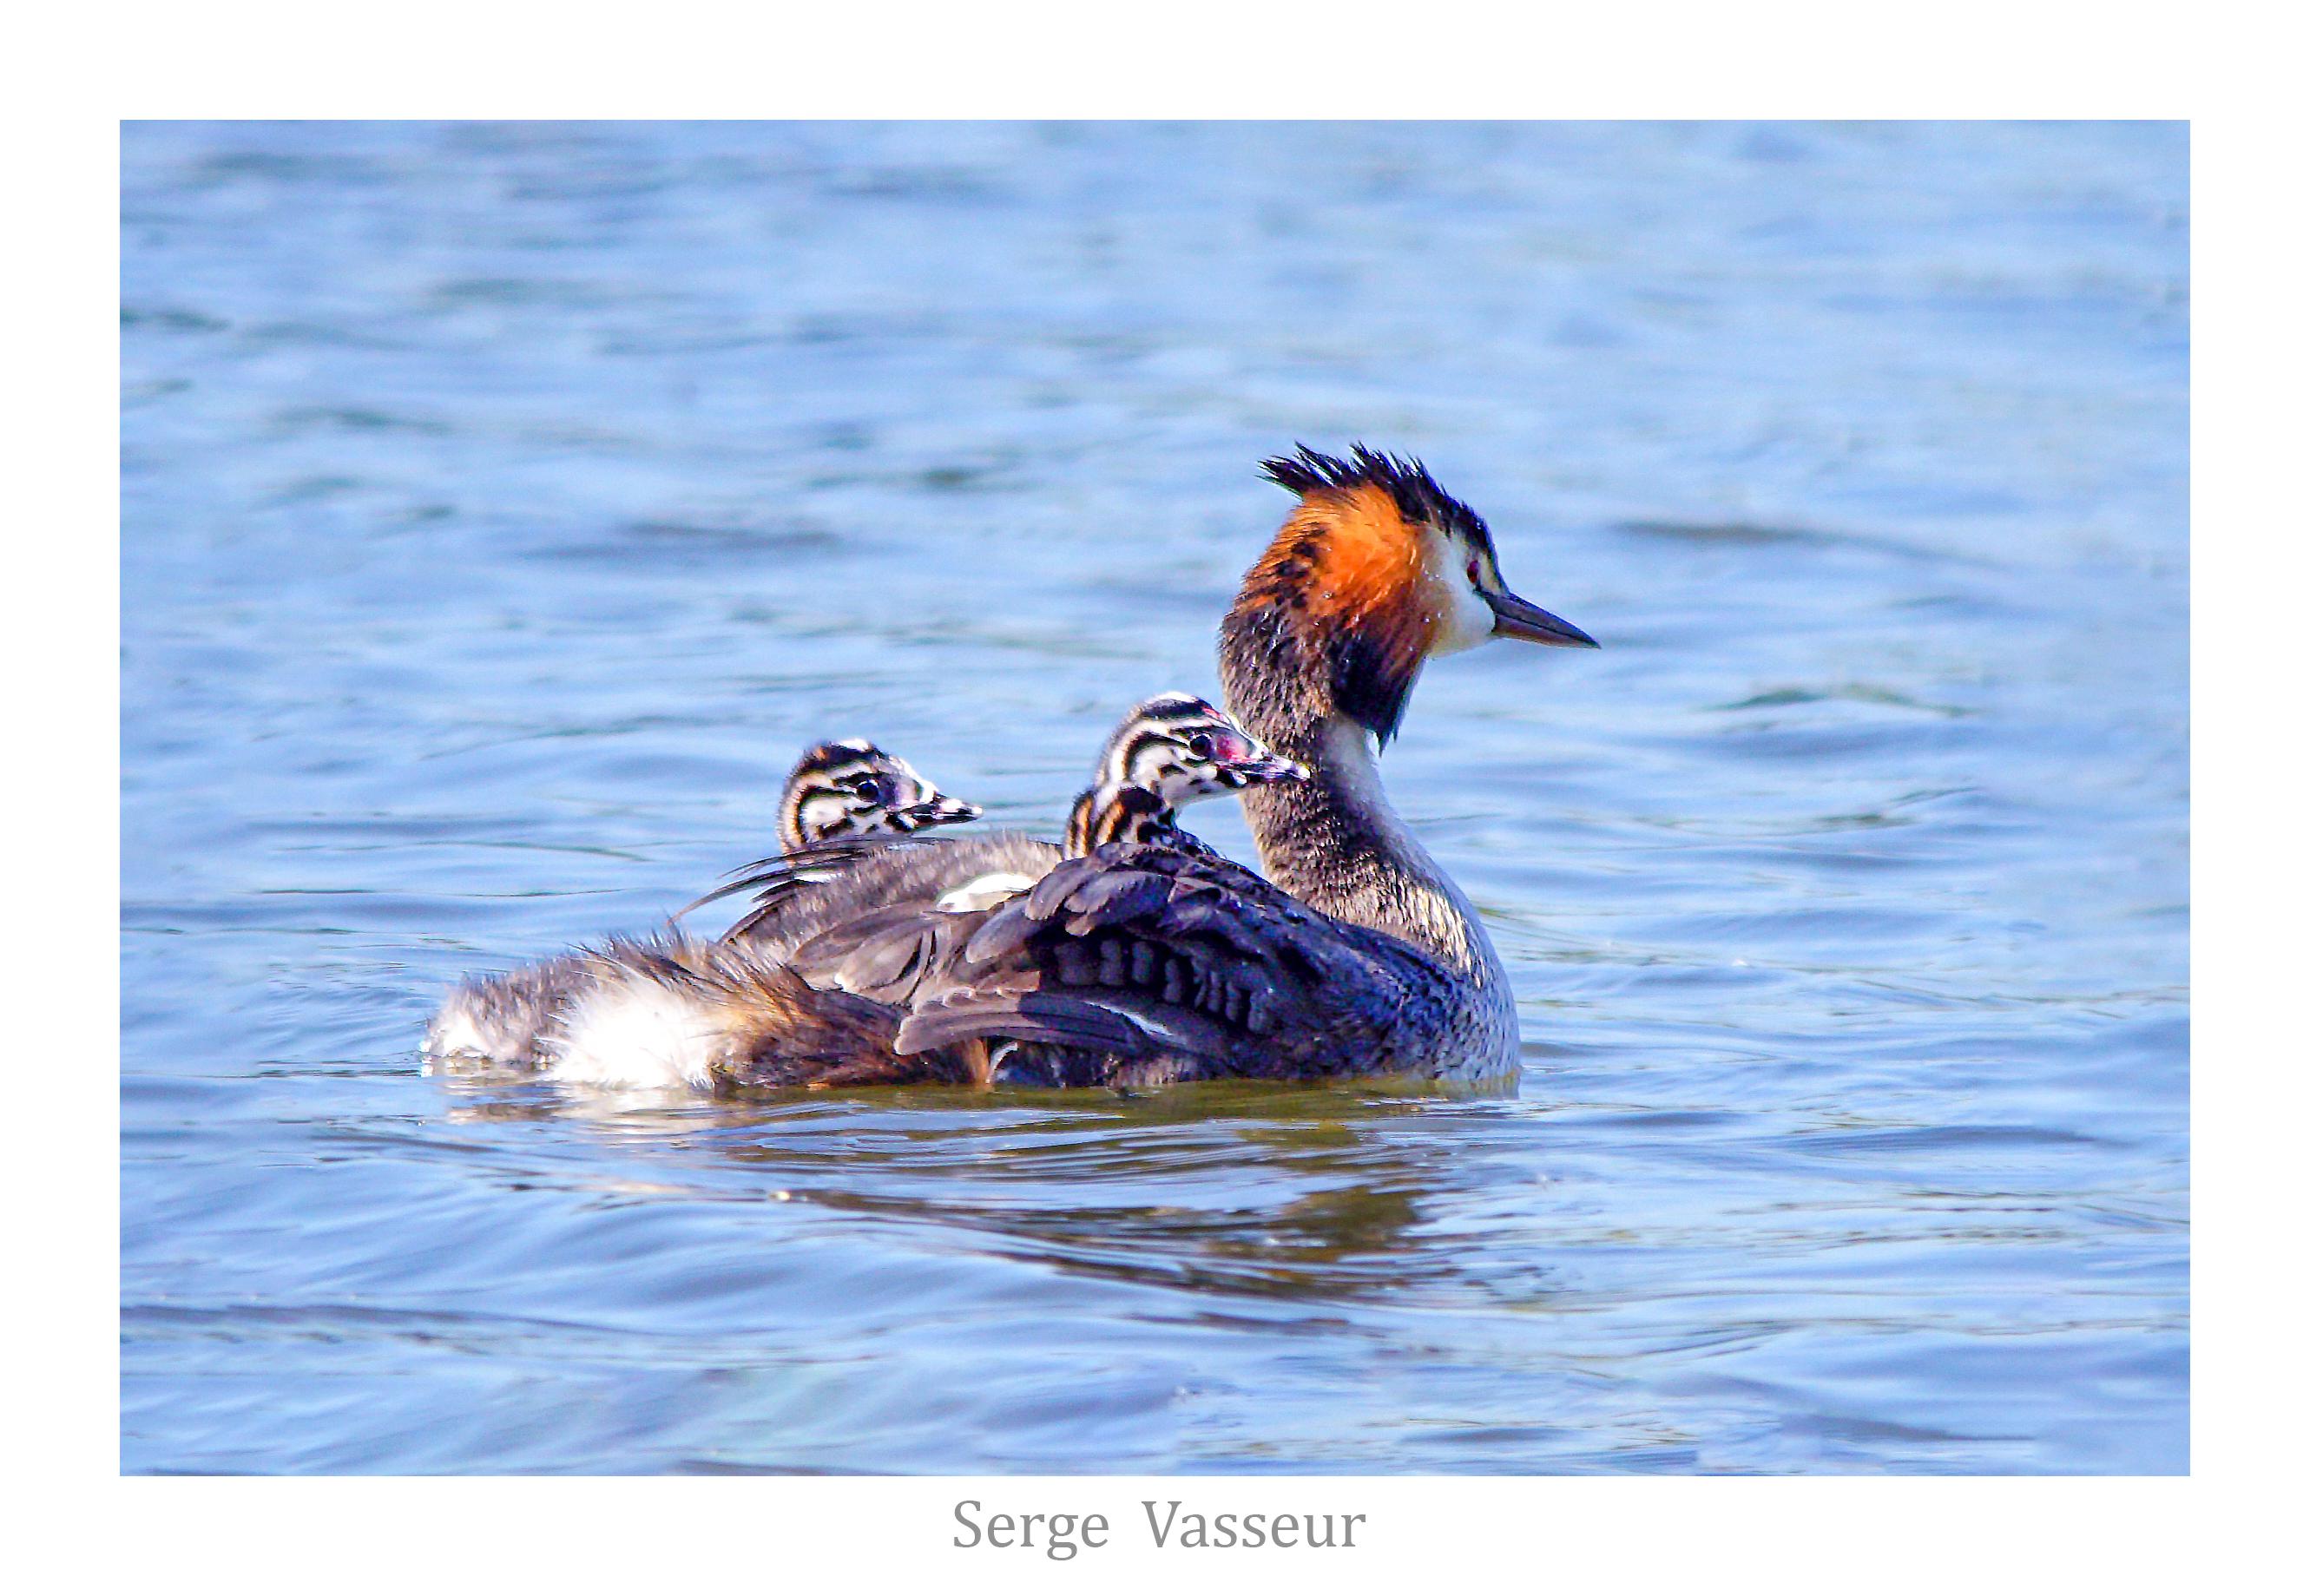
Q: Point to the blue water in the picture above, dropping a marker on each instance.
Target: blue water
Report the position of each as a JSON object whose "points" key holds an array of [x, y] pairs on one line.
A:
{"points": [[504, 506]]}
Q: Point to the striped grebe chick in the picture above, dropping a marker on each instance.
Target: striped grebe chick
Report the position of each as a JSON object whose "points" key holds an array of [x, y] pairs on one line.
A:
{"points": [[1170, 751], [844, 792], [853, 789]]}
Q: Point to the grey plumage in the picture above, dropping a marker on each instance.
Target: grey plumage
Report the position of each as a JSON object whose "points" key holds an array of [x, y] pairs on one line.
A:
{"points": [[796, 898]]}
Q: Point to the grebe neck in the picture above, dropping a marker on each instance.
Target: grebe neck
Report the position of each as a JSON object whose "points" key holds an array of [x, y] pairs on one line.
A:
{"points": [[1336, 844]]}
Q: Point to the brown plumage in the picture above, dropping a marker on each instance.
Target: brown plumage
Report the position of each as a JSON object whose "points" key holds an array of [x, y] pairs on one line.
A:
{"points": [[1347, 560], [759, 1023], [1347, 566]]}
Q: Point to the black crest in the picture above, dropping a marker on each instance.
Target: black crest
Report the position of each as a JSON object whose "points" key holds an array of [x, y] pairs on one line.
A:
{"points": [[1418, 496]]}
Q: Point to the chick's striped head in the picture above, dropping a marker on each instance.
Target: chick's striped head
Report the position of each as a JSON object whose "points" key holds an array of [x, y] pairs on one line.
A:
{"points": [[1171, 751], [1182, 748], [852, 788]]}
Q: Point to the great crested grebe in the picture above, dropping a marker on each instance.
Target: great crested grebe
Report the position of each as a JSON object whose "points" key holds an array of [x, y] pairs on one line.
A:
{"points": [[1143, 963], [840, 791], [1358, 955]]}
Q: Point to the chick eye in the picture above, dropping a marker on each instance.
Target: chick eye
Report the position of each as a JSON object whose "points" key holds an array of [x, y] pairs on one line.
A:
{"points": [[870, 788], [1199, 746]]}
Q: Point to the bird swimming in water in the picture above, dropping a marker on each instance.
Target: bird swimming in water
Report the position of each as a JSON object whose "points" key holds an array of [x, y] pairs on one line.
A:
{"points": [[846, 792], [1149, 962]]}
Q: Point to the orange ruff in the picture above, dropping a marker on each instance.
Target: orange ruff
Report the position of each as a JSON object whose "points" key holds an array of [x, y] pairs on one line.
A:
{"points": [[1347, 559]]}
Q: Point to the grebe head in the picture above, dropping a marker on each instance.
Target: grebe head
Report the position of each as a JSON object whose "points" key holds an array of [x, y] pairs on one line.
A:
{"points": [[1182, 748], [852, 788], [1172, 750], [1376, 570]]}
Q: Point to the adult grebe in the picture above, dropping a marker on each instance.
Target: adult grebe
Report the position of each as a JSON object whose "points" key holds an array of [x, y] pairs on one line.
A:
{"points": [[1360, 955], [836, 792], [1144, 963]]}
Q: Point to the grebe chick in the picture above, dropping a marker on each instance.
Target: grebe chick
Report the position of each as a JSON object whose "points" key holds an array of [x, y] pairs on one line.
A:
{"points": [[1170, 751], [1173, 749], [837, 793], [853, 789]]}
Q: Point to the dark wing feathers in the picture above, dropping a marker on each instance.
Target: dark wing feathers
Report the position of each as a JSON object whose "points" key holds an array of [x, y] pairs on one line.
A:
{"points": [[786, 882], [1140, 951], [884, 954], [782, 874], [1140, 961], [1117, 894], [1023, 1020]]}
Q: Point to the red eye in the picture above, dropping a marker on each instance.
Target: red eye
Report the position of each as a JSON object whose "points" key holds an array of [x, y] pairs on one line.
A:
{"points": [[1472, 580]]}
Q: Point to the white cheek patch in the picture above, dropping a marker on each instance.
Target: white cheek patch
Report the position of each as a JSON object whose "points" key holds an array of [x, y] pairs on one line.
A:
{"points": [[1468, 622], [1463, 619]]}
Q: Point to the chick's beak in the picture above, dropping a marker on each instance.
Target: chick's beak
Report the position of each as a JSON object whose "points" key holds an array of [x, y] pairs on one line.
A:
{"points": [[1265, 768], [1514, 618], [940, 810]]}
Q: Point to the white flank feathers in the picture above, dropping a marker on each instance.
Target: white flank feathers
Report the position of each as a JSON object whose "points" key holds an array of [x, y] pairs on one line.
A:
{"points": [[628, 1030]]}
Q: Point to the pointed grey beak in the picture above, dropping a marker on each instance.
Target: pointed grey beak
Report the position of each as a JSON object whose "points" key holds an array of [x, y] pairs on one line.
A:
{"points": [[1514, 618]]}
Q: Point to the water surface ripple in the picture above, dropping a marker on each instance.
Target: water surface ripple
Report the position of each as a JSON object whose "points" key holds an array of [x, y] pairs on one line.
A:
{"points": [[503, 506]]}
